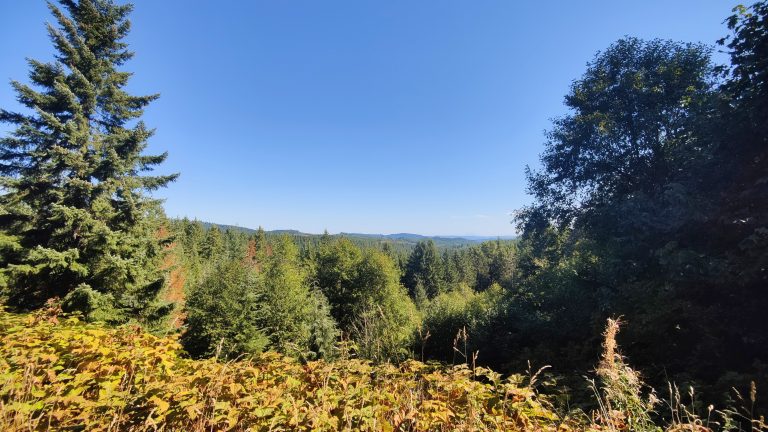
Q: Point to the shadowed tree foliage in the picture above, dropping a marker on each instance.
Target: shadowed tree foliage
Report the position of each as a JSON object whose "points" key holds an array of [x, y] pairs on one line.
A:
{"points": [[75, 217], [631, 113], [609, 193], [651, 204]]}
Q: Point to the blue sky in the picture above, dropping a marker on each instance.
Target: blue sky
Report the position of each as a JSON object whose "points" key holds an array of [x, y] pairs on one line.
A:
{"points": [[359, 116]]}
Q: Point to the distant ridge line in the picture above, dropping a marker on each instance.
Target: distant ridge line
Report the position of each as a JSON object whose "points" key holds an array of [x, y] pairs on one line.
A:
{"points": [[407, 238]]}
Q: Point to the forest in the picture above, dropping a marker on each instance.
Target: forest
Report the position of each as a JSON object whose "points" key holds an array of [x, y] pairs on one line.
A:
{"points": [[641, 264]]}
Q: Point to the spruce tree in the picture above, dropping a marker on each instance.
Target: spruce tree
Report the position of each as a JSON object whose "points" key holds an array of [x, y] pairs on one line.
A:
{"points": [[76, 218], [213, 246], [423, 267]]}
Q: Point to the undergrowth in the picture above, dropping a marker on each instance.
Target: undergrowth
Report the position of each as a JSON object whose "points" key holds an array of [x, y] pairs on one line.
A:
{"points": [[626, 403], [59, 373], [63, 374]]}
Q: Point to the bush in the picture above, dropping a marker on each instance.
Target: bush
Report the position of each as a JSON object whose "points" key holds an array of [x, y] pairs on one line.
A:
{"points": [[474, 314], [67, 375]]}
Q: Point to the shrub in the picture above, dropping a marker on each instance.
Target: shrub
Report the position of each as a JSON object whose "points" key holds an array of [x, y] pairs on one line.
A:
{"points": [[68, 375], [463, 309]]}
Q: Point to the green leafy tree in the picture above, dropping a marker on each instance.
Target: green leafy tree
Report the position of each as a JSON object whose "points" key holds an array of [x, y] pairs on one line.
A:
{"points": [[336, 276], [613, 191], [630, 112], [75, 213], [462, 309], [386, 318], [748, 74], [366, 298], [651, 204], [492, 262]]}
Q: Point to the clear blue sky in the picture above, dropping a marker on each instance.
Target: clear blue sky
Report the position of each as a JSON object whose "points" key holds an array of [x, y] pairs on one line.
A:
{"points": [[359, 116]]}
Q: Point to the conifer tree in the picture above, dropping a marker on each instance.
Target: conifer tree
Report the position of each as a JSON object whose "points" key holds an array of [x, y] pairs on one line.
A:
{"points": [[213, 246], [76, 218], [260, 246], [423, 267]]}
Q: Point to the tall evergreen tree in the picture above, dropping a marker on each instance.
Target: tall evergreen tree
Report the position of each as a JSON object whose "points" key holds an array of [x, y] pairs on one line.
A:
{"points": [[75, 210], [423, 268], [213, 247], [336, 275]]}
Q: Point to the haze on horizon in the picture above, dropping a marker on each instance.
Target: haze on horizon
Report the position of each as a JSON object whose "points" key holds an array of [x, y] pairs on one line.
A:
{"points": [[359, 117]]}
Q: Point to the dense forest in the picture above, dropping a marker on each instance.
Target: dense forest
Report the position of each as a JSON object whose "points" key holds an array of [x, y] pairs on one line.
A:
{"points": [[649, 209]]}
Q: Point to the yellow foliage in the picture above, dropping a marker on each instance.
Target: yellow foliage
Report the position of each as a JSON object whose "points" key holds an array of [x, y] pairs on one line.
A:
{"points": [[68, 375]]}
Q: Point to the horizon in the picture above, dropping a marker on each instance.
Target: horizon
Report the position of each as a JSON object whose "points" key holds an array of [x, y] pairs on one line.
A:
{"points": [[358, 118], [337, 233]]}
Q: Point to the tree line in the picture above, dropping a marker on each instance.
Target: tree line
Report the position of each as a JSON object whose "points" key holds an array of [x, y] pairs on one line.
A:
{"points": [[369, 298]]}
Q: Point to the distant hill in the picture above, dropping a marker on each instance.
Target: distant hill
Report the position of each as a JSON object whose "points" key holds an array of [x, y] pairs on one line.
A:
{"points": [[406, 240], [484, 238]]}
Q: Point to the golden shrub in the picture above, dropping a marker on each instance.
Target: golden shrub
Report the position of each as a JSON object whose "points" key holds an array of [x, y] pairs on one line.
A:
{"points": [[68, 375]]}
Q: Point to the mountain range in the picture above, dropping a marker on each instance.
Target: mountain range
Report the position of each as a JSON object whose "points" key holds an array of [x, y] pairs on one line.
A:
{"points": [[405, 239]]}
